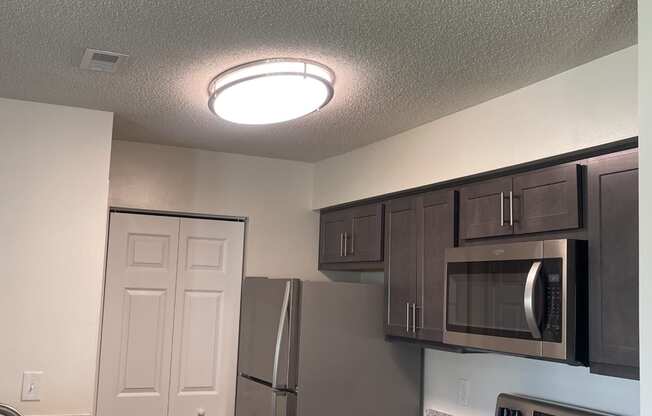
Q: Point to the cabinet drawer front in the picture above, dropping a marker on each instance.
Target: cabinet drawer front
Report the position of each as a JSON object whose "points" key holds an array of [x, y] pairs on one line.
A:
{"points": [[613, 267], [481, 212], [400, 266], [547, 200]]}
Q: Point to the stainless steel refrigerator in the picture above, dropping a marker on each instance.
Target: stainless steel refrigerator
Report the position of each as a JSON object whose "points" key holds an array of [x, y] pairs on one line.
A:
{"points": [[318, 349]]}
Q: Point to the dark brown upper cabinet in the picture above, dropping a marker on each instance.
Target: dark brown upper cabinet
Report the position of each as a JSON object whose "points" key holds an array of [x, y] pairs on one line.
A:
{"points": [[543, 200], [613, 265], [351, 238], [482, 209], [418, 230], [401, 266]]}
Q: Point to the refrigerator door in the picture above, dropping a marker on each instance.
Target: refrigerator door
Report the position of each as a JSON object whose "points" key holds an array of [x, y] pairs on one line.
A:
{"points": [[257, 399], [347, 367], [268, 331]]}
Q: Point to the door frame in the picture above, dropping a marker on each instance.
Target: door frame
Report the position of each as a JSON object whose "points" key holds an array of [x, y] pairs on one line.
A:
{"points": [[160, 213]]}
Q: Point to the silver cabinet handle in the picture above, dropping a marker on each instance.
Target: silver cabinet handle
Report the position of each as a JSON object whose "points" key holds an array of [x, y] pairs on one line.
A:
{"points": [[407, 317], [414, 318], [502, 209], [341, 244], [528, 299], [352, 241], [279, 333], [346, 239], [511, 208]]}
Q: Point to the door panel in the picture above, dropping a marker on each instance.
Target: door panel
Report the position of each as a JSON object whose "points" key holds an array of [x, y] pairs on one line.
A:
{"points": [[613, 254], [364, 240], [480, 209], [207, 311], [547, 200], [437, 234], [333, 227], [400, 265], [138, 315]]}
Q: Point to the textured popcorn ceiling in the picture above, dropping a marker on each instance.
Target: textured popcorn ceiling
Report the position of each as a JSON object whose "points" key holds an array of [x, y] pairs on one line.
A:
{"points": [[398, 63]]}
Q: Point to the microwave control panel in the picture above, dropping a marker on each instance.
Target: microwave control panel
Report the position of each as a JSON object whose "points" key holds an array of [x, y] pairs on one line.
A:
{"points": [[553, 300]]}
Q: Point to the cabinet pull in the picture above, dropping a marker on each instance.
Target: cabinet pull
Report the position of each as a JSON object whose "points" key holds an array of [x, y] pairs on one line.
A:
{"points": [[346, 239], [352, 242], [511, 208], [414, 318], [341, 245], [407, 317], [502, 209]]}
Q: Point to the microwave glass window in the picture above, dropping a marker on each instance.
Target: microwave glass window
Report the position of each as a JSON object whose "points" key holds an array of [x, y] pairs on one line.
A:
{"points": [[487, 298]]}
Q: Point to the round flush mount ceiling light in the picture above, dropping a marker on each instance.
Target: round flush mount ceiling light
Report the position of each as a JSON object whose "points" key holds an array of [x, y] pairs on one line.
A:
{"points": [[270, 91]]}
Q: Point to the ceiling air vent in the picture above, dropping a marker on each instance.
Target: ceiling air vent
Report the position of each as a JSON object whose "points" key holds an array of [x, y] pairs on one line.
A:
{"points": [[104, 61]]}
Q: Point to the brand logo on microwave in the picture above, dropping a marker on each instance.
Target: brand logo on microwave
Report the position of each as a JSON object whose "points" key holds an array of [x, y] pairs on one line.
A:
{"points": [[499, 252]]}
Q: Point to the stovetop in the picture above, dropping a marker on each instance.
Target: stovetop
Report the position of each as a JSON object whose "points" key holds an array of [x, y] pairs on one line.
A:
{"points": [[513, 405]]}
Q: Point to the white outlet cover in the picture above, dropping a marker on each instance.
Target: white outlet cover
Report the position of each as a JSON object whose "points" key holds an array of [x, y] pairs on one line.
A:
{"points": [[463, 391], [31, 386]]}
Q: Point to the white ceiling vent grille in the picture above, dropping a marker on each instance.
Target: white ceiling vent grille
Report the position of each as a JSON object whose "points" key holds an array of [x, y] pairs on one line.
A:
{"points": [[104, 61]]}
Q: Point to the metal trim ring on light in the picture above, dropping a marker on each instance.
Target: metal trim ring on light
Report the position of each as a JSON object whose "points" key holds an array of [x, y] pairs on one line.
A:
{"points": [[328, 84]]}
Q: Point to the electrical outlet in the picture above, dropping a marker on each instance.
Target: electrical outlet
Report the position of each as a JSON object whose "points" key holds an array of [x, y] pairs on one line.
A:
{"points": [[433, 412], [463, 391], [31, 386]]}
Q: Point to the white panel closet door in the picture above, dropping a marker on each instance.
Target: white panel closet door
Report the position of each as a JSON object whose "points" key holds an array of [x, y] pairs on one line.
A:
{"points": [[207, 312], [138, 316]]}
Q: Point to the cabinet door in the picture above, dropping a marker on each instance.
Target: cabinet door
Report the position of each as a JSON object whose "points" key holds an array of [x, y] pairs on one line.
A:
{"points": [[400, 265], [547, 200], [206, 316], [331, 245], [138, 318], [484, 209], [613, 254], [364, 241], [436, 233]]}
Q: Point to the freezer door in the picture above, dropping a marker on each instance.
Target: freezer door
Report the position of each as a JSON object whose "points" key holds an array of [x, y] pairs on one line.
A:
{"points": [[268, 331], [257, 399]]}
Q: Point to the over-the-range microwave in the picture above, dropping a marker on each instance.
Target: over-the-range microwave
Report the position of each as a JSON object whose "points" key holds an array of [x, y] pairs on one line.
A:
{"points": [[528, 298]]}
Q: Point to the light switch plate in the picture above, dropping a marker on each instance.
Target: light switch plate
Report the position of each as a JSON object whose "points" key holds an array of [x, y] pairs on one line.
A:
{"points": [[31, 386]]}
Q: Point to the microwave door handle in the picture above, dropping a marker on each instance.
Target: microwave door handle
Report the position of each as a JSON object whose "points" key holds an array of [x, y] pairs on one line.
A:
{"points": [[279, 334], [528, 299]]}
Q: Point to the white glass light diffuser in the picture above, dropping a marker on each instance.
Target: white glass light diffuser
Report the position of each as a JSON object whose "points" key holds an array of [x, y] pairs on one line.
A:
{"points": [[270, 91]]}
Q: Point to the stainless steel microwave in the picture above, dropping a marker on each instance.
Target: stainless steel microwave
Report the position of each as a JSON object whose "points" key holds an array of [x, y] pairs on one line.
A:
{"points": [[527, 298]]}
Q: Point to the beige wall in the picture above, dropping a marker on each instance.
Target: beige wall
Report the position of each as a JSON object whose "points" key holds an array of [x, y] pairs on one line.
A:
{"points": [[591, 104], [54, 169], [645, 185], [275, 194]]}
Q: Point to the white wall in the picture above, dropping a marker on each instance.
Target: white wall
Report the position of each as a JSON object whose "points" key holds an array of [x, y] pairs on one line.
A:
{"points": [[275, 194], [589, 105], [645, 195], [54, 171]]}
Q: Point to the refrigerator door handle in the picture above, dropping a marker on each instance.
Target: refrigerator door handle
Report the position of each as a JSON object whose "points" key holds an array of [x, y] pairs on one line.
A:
{"points": [[279, 334]]}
